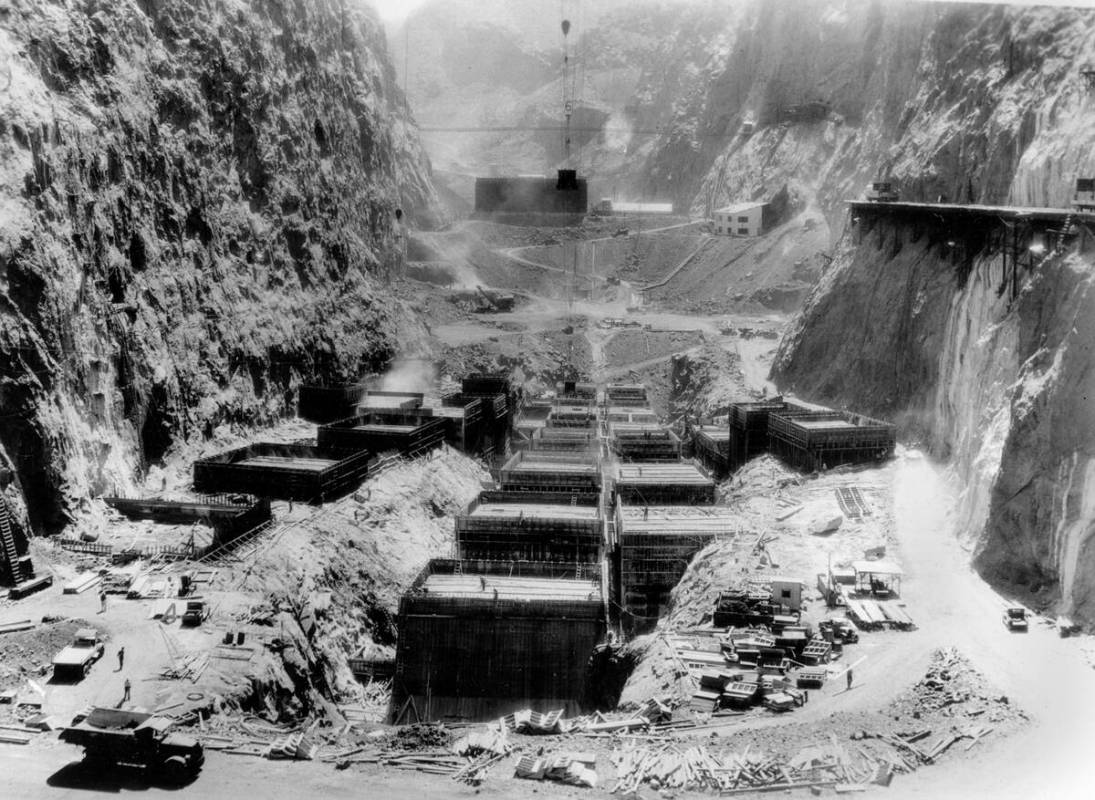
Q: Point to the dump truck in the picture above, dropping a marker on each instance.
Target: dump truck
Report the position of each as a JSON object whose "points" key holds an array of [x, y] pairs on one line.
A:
{"points": [[76, 660], [136, 739], [1015, 619]]}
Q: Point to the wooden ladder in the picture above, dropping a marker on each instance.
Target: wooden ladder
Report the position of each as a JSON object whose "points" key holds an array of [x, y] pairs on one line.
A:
{"points": [[7, 542]]}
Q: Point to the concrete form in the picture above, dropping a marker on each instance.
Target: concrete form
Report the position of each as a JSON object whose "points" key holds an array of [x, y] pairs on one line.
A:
{"points": [[552, 472], [663, 484], [656, 545], [625, 394], [285, 471], [321, 404], [464, 424], [643, 443], [410, 433], [513, 526], [499, 406], [811, 440], [375, 400], [230, 516], [635, 414], [574, 440], [712, 446], [478, 640], [576, 391], [749, 427]]}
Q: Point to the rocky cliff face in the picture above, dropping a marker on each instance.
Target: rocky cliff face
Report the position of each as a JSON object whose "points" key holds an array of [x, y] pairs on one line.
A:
{"points": [[909, 326], [196, 206], [913, 321]]}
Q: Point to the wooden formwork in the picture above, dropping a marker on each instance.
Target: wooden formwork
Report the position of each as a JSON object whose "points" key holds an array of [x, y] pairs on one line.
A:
{"points": [[291, 471], [464, 418], [547, 471], [519, 527], [644, 443], [712, 447], [624, 394], [228, 515], [410, 433], [664, 484], [656, 544], [481, 639], [812, 440], [322, 404]]}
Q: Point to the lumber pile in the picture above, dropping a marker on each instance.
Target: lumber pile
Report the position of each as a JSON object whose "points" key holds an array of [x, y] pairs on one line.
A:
{"points": [[190, 668], [81, 583], [297, 745], [577, 769]]}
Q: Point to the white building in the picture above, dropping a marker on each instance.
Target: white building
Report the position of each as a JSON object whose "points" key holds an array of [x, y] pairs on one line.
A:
{"points": [[741, 219]]}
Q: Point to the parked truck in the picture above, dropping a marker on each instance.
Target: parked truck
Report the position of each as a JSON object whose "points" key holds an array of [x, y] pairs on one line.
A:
{"points": [[136, 739], [76, 660], [1015, 619], [197, 611]]}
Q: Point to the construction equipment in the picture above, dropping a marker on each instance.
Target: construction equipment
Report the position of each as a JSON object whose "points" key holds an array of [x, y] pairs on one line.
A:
{"points": [[137, 739], [76, 660], [197, 611], [1015, 619], [497, 301], [882, 192], [838, 630]]}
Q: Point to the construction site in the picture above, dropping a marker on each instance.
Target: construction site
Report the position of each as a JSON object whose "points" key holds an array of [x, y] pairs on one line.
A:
{"points": [[635, 418]]}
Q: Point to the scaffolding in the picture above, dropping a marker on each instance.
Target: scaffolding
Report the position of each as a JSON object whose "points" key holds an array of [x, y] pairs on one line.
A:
{"points": [[644, 443], [812, 440], [663, 484], [552, 472], [516, 526]]}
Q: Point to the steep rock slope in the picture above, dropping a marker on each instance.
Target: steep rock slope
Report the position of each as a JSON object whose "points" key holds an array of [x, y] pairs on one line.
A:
{"points": [[195, 214], [911, 325]]}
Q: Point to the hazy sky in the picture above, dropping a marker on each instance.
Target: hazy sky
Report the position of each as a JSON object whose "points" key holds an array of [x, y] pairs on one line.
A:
{"points": [[395, 9], [398, 9]]}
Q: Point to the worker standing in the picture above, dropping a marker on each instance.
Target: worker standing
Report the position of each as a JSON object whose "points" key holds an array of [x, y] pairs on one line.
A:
{"points": [[128, 686], [102, 601], [121, 658], [849, 676]]}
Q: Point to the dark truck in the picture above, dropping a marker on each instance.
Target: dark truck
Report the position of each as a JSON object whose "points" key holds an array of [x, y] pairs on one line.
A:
{"points": [[74, 662], [136, 739], [1015, 619]]}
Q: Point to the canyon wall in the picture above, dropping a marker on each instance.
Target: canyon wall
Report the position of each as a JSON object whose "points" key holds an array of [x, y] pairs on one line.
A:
{"points": [[196, 206], [911, 325]]}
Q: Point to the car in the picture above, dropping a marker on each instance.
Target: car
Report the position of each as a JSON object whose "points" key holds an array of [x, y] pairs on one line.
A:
{"points": [[1015, 619]]}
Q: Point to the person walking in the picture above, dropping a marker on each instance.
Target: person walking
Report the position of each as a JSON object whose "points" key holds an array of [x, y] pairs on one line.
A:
{"points": [[849, 676], [102, 601], [128, 686], [121, 658]]}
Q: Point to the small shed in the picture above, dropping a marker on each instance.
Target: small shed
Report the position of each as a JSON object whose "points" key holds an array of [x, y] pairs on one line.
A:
{"points": [[743, 219], [880, 578]]}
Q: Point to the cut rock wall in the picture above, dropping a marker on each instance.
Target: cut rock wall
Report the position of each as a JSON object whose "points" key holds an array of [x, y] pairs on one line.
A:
{"points": [[196, 206]]}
